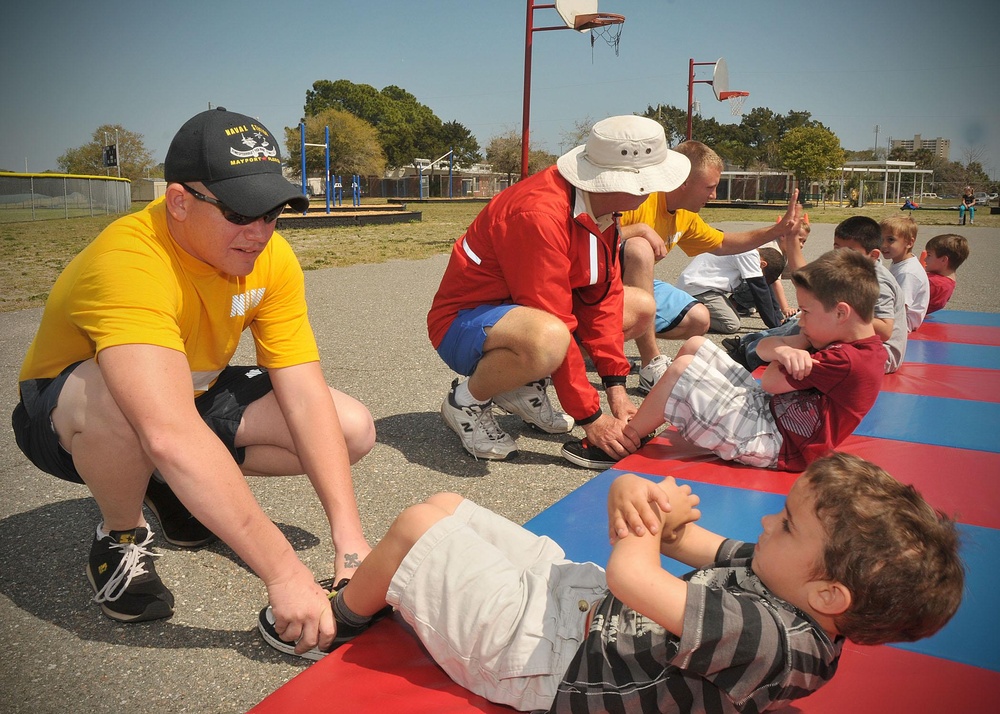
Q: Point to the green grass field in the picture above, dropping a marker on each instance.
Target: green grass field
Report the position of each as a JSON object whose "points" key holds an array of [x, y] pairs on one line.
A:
{"points": [[33, 253]]}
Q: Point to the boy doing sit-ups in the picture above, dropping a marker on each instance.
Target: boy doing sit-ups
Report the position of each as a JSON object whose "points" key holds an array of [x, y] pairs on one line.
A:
{"points": [[818, 386], [853, 554], [945, 253]]}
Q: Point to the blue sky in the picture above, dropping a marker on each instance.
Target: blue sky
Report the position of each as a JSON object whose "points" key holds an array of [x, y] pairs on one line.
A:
{"points": [[910, 67]]}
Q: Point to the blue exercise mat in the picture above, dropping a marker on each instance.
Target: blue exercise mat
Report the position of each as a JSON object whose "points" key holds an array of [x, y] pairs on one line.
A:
{"points": [[964, 317], [959, 423], [953, 354]]}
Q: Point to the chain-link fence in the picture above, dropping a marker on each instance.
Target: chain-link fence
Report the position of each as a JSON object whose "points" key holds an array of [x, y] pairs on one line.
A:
{"points": [[35, 197]]}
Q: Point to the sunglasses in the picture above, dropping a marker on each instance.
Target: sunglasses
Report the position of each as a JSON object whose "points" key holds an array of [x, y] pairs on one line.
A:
{"points": [[232, 216]]}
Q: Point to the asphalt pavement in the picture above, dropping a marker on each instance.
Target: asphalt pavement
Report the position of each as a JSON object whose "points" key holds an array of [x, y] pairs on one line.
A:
{"points": [[62, 654]]}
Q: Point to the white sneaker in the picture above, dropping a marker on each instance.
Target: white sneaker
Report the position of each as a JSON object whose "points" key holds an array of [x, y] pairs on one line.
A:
{"points": [[531, 403], [480, 434], [651, 373]]}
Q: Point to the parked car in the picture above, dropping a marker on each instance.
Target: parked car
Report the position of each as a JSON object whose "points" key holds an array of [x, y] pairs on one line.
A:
{"points": [[928, 195], [982, 198]]}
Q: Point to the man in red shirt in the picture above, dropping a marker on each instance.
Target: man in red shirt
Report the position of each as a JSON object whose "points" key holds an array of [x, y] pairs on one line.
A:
{"points": [[535, 278]]}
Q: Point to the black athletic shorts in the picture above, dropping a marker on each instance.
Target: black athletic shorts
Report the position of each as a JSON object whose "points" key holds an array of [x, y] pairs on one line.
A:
{"points": [[221, 407]]}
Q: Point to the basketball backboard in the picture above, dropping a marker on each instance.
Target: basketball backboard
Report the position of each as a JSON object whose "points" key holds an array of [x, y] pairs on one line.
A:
{"points": [[569, 9], [720, 78]]}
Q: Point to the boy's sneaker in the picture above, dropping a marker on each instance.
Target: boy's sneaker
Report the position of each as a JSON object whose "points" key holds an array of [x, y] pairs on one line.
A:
{"points": [[583, 453], [177, 525], [124, 579], [531, 403], [651, 373], [480, 434], [345, 633], [737, 351]]}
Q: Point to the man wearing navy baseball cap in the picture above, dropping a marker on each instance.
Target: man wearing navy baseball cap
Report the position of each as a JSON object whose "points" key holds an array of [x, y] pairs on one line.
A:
{"points": [[128, 388]]}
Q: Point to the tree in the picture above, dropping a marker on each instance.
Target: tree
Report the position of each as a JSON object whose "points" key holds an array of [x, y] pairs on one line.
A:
{"points": [[457, 137], [134, 159], [354, 145], [504, 153], [578, 135], [811, 153], [407, 129]]}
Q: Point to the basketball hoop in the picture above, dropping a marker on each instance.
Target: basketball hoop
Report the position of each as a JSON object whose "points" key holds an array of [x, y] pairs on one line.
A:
{"points": [[736, 100], [606, 25]]}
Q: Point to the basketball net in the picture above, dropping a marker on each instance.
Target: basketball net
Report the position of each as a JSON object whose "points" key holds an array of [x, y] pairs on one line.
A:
{"points": [[606, 25], [736, 101]]}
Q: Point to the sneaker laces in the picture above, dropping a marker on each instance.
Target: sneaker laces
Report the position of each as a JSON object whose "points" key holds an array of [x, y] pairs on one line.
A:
{"points": [[131, 566], [545, 407], [487, 422]]}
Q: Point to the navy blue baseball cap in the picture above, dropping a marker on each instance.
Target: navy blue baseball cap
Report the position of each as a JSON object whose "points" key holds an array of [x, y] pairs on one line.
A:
{"points": [[237, 159]]}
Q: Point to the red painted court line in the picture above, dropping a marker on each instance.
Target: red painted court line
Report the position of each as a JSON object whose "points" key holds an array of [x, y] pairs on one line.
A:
{"points": [[963, 334], [961, 482], [939, 380]]}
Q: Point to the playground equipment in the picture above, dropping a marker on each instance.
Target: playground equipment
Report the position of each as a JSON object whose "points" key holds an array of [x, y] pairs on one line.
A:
{"points": [[720, 85], [423, 164], [302, 152], [579, 15]]}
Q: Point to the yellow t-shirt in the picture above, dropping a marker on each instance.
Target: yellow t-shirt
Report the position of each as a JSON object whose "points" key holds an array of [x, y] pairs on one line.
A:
{"points": [[678, 227], [134, 285]]}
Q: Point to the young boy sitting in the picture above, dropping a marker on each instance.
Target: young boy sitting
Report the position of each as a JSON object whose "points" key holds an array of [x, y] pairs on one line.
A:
{"points": [[863, 235], [818, 387], [854, 555], [712, 279], [945, 253], [899, 234]]}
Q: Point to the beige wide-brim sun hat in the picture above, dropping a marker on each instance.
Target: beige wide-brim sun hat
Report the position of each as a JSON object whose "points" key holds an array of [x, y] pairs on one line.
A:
{"points": [[625, 154]]}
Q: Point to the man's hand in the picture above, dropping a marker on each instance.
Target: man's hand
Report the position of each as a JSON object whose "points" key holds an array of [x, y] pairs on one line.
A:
{"points": [[302, 612], [606, 433], [621, 406], [791, 223], [647, 233]]}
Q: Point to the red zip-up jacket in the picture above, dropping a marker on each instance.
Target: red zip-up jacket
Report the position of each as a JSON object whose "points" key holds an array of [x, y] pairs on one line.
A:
{"points": [[526, 248]]}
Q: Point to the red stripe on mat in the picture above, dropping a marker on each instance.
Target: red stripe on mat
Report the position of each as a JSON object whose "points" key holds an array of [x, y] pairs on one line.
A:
{"points": [[961, 482], [964, 334], [386, 670], [941, 380], [879, 680]]}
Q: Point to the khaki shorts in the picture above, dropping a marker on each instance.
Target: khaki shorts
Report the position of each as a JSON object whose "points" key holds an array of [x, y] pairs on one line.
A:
{"points": [[499, 608]]}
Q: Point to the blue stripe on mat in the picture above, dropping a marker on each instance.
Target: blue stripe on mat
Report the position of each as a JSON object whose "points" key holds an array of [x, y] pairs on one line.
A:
{"points": [[579, 524], [964, 317], [959, 423], [952, 353]]}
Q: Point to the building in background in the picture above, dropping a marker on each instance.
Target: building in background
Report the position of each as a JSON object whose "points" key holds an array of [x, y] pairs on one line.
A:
{"points": [[939, 147]]}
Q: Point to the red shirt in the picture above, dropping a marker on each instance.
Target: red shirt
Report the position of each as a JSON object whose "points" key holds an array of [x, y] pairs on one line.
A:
{"points": [[829, 402], [527, 248], [941, 289]]}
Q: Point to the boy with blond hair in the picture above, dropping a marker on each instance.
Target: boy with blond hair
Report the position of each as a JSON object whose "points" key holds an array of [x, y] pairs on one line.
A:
{"points": [[945, 253], [853, 554], [899, 234]]}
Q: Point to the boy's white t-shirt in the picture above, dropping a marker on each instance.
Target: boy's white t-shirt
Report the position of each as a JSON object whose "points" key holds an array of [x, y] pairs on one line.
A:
{"points": [[720, 273], [912, 278]]}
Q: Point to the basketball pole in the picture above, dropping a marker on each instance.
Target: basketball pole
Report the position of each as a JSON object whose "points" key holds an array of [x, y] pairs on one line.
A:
{"points": [[691, 82], [529, 30]]}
